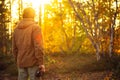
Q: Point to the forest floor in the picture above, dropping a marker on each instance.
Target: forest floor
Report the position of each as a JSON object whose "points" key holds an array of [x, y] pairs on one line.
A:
{"points": [[79, 76], [67, 67]]}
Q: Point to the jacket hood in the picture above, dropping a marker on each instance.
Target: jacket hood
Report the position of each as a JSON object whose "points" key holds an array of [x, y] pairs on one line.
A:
{"points": [[26, 22]]}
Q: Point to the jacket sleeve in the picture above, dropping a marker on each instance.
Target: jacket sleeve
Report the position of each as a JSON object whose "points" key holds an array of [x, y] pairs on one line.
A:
{"points": [[38, 44], [14, 47]]}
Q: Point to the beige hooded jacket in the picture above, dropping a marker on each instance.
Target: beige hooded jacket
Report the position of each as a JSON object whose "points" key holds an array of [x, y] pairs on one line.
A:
{"points": [[27, 44]]}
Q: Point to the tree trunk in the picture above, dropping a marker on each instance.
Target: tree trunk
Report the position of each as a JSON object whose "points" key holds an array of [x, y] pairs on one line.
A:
{"points": [[94, 43], [98, 52], [112, 32]]}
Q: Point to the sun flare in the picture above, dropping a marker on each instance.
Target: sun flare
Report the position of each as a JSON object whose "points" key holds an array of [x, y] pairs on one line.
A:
{"points": [[36, 4]]}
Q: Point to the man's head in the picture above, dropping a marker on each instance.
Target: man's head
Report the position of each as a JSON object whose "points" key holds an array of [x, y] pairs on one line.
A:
{"points": [[29, 13]]}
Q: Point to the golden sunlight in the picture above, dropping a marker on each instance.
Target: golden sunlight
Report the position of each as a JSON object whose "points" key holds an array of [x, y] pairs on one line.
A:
{"points": [[17, 6], [38, 5]]}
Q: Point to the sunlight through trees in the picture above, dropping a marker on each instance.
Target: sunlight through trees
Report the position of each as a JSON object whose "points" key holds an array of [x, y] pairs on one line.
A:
{"points": [[69, 26]]}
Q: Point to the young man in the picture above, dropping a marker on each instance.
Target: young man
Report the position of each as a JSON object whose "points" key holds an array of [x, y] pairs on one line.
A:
{"points": [[28, 46]]}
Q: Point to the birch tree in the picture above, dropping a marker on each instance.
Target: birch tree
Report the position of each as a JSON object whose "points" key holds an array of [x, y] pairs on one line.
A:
{"points": [[112, 25], [93, 15]]}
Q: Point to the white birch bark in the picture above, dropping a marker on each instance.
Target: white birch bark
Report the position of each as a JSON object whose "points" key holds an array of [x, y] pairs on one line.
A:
{"points": [[112, 32], [91, 37]]}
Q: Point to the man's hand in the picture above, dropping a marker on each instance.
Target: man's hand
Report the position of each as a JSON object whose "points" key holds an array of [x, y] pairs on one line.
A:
{"points": [[42, 67]]}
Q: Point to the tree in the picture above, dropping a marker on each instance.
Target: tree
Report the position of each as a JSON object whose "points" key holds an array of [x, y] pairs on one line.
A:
{"points": [[95, 19], [4, 22], [112, 25], [61, 28]]}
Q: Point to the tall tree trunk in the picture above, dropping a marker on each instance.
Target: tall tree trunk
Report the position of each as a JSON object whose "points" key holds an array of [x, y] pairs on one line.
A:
{"points": [[63, 30], [112, 32], [94, 43], [98, 51]]}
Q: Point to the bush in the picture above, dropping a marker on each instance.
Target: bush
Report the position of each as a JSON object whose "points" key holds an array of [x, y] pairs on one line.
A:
{"points": [[6, 60], [115, 61]]}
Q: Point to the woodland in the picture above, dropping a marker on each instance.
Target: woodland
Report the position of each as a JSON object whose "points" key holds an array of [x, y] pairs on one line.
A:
{"points": [[81, 38]]}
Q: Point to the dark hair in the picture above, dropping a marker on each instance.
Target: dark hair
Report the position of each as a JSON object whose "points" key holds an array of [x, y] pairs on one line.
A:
{"points": [[29, 13]]}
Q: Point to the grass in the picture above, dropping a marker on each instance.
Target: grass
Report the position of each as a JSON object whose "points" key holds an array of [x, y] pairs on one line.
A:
{"points": [[67, 64], [74, 63]]}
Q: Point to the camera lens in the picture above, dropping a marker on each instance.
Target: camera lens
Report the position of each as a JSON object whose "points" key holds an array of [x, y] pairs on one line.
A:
{"points": [[39, 73]]}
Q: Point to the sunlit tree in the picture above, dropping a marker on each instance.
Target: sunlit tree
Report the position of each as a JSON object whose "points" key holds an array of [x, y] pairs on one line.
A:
{"points": [[62, 30], [96, 17]]}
